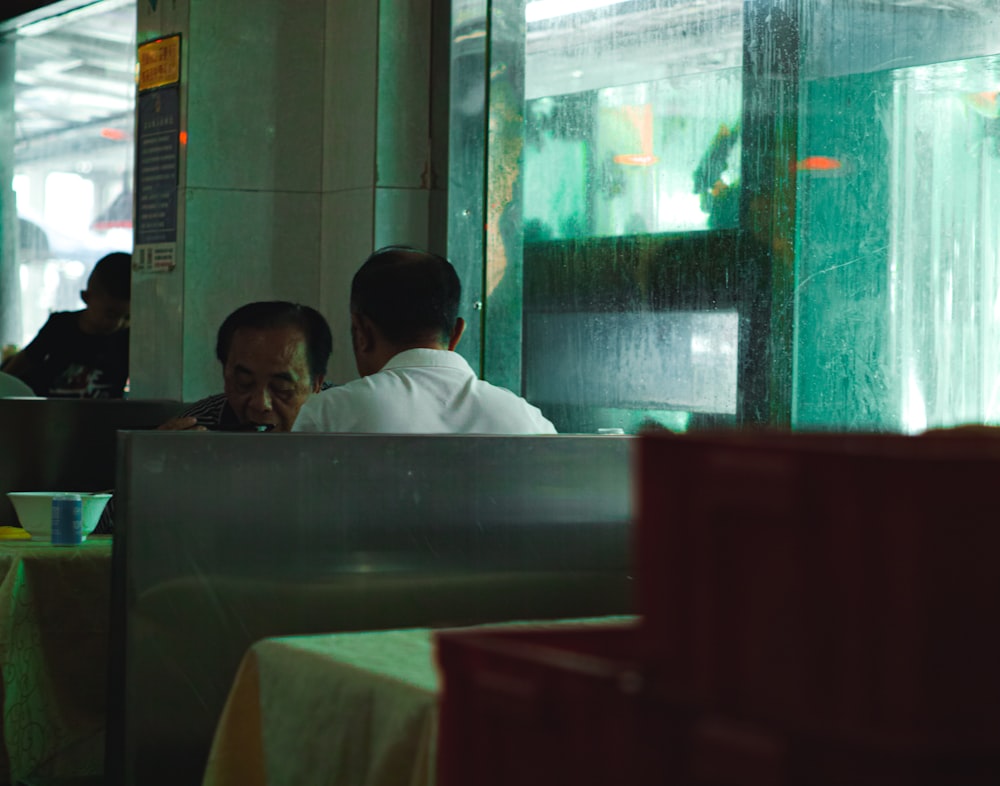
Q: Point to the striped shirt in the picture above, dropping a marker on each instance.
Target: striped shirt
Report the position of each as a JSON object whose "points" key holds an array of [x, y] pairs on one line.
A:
{"points": [[213, 412]]}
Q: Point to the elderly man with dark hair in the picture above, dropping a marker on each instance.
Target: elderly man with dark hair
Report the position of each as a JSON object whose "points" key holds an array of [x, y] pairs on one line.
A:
{"points": [[404, 329], [274, 356]]}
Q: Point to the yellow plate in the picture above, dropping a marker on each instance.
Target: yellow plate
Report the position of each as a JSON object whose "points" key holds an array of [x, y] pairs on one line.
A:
{"points": [[13, 533]]}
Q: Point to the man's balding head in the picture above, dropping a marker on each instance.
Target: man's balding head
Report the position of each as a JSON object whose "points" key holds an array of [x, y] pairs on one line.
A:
{"points": [[403, 298]]}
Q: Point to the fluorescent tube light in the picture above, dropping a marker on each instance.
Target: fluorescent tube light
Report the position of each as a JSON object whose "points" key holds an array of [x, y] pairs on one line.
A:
{"points": [[539, 10]]}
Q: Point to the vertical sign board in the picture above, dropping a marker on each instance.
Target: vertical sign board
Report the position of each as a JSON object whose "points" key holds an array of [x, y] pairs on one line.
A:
{"points": [[157, 156]]}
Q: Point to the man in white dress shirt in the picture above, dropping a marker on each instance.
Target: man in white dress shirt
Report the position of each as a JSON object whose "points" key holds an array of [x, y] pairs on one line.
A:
{"points": [[404, 329]]}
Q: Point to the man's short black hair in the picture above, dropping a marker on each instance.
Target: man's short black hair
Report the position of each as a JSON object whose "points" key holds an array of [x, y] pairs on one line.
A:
{"points": [[268, 314], [411, 295], [112, 275]]}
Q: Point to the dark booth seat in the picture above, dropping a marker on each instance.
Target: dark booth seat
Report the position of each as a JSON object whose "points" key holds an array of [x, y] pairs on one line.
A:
{"points": [[224, 539], [50, 444]]}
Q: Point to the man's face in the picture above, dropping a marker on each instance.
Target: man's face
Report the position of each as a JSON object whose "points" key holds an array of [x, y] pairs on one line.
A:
{"points": [[104, 314], [267, 376]]}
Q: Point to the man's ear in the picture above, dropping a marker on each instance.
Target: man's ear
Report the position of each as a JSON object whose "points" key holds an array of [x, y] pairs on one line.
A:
{"points": [[456, 333], [362, 333]]}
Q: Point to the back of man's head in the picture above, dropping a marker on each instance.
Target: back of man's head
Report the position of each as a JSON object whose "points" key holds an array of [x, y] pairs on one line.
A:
{"points": [[112, 276], [411, 296], [268, 314]]}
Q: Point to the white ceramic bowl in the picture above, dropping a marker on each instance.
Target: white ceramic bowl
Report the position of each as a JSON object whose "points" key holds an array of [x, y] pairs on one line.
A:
{"points": [[34, 511]]}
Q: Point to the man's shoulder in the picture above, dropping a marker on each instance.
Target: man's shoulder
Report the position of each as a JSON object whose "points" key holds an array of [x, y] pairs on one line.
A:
{"points": [[334, 406], [208, 411], [337, 393], [507, 405], [486, 388], [61, 332], [64, 326], [71, 317], [208, 401], [62, 322]]}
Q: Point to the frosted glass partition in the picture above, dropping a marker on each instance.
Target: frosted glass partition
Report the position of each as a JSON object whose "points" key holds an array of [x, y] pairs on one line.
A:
{"points": [[897, 261], [824, 171]]}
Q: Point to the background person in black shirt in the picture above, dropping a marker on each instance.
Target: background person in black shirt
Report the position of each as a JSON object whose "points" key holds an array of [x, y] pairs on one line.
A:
{"points": [[84, 354]]}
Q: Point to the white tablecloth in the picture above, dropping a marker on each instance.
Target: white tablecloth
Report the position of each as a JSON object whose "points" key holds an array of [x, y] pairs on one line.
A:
{"points": [[350, 708]]}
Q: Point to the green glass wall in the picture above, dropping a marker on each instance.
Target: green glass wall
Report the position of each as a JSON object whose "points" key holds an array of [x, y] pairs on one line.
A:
{"points": [[896, 255], [730, 212]]}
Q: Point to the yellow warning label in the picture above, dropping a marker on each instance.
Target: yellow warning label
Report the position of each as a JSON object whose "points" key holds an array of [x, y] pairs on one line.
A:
{"points": [[159, 62]]}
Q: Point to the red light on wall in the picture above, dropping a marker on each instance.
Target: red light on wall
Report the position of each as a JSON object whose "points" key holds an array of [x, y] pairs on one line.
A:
{"points": [[183, 137], [816, 164], [114, 134]]}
